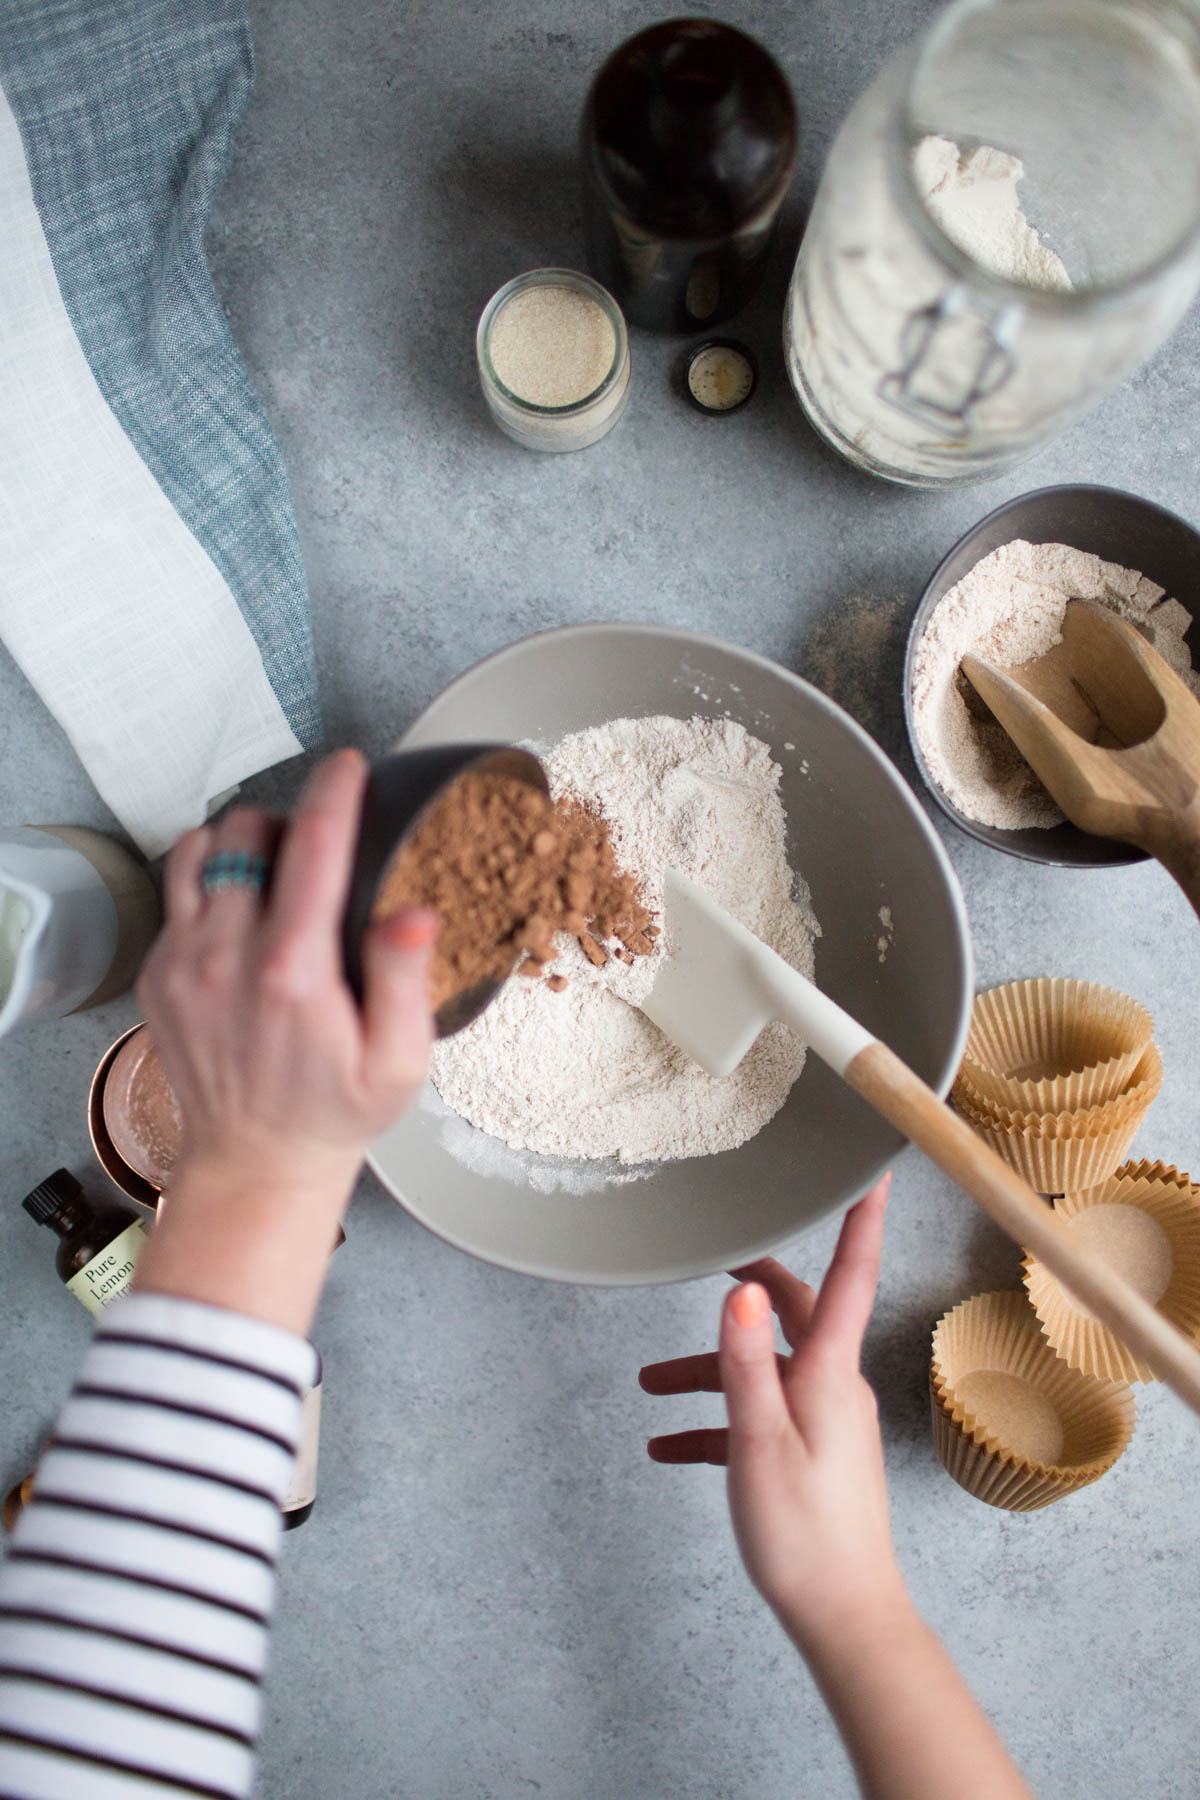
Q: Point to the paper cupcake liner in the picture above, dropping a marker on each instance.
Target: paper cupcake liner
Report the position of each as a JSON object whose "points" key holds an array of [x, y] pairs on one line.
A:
{"points": [[1071, 1095], [1012, 1423], [1087, 1121], [991, 1479], [1057, 1127], [1052, 1165], [1054, 1045], [1092, 1085], [1145, 1221]]}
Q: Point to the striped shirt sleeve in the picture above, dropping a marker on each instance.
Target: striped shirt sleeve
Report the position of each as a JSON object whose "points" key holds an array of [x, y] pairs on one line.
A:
{"points": [[136, 1597]]}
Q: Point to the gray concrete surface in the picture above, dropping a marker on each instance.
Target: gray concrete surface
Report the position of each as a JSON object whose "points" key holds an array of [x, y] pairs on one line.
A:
{"points": [[497, 1595]]}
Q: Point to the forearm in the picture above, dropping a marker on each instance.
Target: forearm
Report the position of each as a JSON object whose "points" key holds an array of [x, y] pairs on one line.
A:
{"points": [[910, 1724], [135, 1601], [253, 1242]]}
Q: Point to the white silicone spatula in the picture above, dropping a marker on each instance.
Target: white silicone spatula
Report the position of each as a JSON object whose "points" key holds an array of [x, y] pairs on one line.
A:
{"points": [[718, 988]]}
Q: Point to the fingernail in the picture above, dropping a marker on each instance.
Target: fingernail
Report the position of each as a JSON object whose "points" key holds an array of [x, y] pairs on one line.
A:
{"points": [[750, 1305], [330, 768], [413, 929]]}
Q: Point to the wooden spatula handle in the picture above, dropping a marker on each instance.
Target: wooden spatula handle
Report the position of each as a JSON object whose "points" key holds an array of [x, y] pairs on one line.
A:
{"points": [[892, 1088]]}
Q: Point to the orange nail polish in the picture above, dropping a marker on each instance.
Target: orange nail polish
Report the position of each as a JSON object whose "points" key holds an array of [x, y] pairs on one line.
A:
{"points": [[750, 1304], [412, 930]]}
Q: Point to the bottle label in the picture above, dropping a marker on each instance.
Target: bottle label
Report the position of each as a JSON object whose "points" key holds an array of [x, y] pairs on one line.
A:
{"points": [[302, 1490], [108, 1275]]}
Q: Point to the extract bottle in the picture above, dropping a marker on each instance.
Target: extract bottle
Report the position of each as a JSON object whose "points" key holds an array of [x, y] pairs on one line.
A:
{"points": [[302, 1489], [100, 1244], [688, 142]]}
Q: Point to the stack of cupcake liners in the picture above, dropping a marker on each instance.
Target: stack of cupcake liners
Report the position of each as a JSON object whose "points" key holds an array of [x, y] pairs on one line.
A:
{"points": [[1057, 1077], [1030, 1392]]}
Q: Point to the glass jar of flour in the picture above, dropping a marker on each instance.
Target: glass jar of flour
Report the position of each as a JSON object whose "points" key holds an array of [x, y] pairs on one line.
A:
{"points": [[1008, 223]]}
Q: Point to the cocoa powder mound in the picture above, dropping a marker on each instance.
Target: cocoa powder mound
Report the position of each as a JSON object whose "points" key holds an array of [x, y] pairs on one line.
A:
{"points": [[506, 869]]}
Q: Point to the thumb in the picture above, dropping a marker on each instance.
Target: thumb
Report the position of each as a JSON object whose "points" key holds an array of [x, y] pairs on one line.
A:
{"points": [[749, 1371], [397, 1018]]}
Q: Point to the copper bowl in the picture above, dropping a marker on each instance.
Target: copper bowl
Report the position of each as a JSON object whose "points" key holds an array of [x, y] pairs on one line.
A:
{"points": [[135, 1187]]}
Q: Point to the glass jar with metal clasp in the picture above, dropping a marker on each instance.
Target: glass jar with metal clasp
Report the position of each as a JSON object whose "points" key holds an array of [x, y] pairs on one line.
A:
{"points": [[1008, 223]]}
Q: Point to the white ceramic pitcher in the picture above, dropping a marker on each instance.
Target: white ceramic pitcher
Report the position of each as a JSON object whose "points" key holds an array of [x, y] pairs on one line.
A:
{"points": [[77, 915]]}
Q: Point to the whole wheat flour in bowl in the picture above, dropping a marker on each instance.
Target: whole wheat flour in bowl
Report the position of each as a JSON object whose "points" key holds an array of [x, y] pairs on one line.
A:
{"points": [[862, 842], [1008, 609], [570, 1066]]}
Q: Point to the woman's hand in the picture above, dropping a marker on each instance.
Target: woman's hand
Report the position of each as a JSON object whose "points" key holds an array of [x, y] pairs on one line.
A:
{"points": [[274, 1066], [806, 1482], [809, 1507], [282, 1080]]}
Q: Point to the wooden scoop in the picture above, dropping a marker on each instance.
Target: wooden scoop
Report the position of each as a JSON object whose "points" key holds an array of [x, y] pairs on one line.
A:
{"points": [[1112, 732]]}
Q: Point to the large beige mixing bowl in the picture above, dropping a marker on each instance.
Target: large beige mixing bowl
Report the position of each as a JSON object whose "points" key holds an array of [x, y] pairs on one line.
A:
{"points": [[857, 836]]}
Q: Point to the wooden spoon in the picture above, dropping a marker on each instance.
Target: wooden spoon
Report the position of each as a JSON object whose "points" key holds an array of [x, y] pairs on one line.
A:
{"points": [[1112, 732]]}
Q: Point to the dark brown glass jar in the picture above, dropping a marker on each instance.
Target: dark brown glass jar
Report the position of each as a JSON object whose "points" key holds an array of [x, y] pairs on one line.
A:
{"points": [[689, 142]]}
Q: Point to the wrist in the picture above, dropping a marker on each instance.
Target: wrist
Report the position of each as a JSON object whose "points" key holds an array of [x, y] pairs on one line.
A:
{"points": [[253, 1239], [249, 1176], [853, 1619]]}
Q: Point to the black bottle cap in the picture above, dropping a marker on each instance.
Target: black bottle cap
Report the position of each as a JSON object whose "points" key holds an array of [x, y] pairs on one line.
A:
{"points": [[52, 1194], [720, 375]]}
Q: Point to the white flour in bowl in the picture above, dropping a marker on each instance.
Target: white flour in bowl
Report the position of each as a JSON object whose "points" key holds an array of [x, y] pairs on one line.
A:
{"points": [[583, 1073], [1006, 610]]}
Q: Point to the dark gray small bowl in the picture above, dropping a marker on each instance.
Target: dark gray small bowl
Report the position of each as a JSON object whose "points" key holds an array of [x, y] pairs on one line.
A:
{"points": [[1120, 528], [399, 788]]}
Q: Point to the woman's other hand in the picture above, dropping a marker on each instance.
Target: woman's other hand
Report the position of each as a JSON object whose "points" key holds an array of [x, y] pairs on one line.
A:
{"points": [[805, 1461]]}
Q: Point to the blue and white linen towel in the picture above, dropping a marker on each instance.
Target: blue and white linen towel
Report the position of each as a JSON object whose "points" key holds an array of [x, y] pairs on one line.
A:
{"points": [[151, 582]]}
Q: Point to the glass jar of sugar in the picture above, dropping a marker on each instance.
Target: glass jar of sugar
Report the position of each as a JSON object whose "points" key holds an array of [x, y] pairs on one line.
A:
{"points": [[553, 358], [1007, 225]]}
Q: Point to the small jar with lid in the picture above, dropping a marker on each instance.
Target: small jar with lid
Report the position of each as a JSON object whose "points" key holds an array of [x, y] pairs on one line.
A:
{"points": [[553, 358]]}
